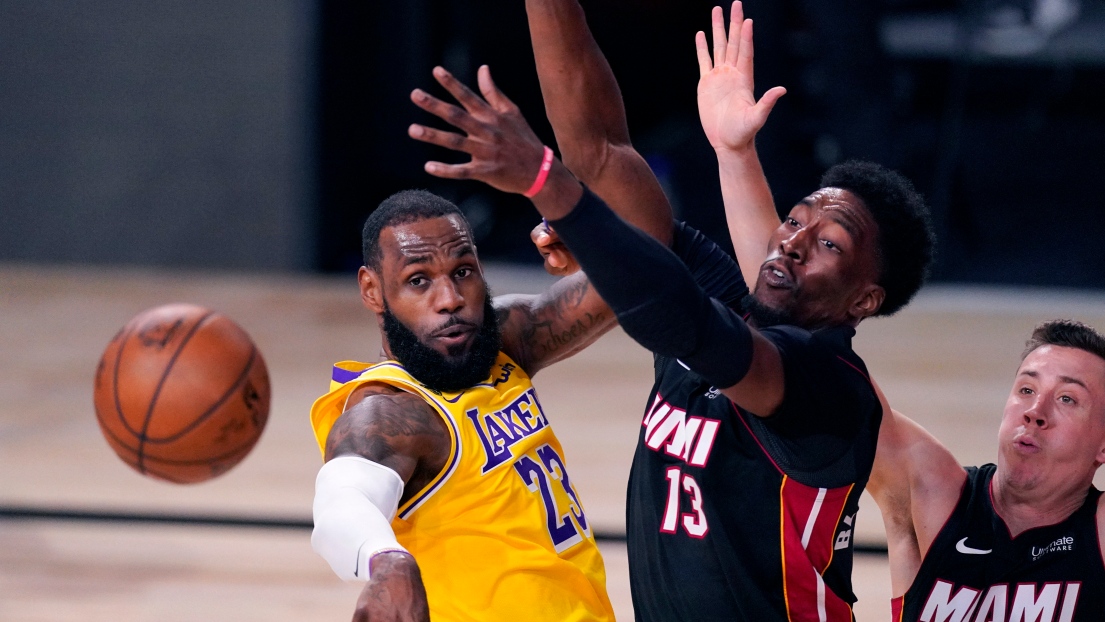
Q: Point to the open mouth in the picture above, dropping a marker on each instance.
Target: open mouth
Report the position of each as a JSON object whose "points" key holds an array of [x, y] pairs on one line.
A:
{"points": [[777, 275]]}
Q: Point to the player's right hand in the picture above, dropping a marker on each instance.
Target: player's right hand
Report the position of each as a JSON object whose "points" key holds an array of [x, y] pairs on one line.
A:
{"points": [[506, 153], [394, 593], [727, 104], [559, 261]]}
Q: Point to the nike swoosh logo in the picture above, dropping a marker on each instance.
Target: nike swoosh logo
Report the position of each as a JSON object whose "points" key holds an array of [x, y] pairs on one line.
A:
{"points": [[962, 547]]}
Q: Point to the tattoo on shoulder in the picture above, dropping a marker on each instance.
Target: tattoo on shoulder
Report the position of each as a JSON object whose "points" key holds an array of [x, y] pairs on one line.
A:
{"points": [[560, 323], [384, 424]]}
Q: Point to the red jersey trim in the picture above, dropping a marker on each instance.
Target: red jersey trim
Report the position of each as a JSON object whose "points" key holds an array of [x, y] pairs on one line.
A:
{"points": [[808, 518]]}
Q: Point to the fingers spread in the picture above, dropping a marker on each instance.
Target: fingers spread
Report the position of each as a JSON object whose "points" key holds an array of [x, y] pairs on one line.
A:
{"points": [[449, 171], [736, 20], [767, 102], [449, 140], [717, 22], [454, 115], [456, 88], [491, 92], [744, 59], [704, 62]]}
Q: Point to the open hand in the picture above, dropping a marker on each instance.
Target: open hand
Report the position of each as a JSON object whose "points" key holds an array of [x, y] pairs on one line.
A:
{"points": [[727, 104], [506, 154], [559, 261]]}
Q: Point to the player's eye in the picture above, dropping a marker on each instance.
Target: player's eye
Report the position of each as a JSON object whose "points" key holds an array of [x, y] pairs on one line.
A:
{"points": [[1066, 399], [830, 245], [417, 281], [464, 272], [793, 223], [1025, 391]]}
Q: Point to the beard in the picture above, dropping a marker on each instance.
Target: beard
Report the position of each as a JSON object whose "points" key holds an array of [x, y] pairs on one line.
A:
{"points": [[762, 315], [452, 373]]}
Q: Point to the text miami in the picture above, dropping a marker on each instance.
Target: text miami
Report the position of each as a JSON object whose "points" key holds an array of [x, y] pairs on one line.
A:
{"points": [[1024, 602], [670, 430]]}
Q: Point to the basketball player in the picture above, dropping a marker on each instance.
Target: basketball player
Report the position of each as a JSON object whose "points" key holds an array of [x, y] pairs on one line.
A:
{"points": [[444, 487], [1022, 540], [759, 435]]}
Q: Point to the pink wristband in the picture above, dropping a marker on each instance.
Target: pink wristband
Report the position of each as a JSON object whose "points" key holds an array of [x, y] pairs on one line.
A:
{"points": [[542, 175]]}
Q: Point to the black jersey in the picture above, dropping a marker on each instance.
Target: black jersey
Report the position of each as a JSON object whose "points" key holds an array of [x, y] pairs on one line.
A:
{"points": [[734, 517], [976, 571]]}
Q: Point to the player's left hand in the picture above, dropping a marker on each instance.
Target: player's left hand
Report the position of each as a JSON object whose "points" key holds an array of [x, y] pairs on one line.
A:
{"points": [[559, 261], [506, 154], [727, 104]]}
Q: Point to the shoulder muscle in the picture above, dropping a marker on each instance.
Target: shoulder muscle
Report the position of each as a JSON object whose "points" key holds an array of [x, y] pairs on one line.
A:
{"points": [[394, 428]]}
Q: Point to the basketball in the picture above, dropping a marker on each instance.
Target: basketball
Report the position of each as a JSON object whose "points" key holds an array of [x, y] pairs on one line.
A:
{"points": [[181, 393]]}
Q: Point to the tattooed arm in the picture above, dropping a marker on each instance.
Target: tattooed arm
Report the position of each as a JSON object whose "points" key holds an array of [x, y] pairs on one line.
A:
{"points": [[541, 330], [402, 432]]}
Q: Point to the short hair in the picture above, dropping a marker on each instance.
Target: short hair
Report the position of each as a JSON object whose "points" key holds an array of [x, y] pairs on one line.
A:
{"points": [[905, 235], [402, 208], [1068, 334]]}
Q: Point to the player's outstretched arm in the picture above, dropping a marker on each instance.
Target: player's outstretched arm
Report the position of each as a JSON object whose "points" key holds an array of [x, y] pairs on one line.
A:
{"points": [[731, 117], [584, 106], [916, 483], [537, 330], [655, 296], [385, 447]]}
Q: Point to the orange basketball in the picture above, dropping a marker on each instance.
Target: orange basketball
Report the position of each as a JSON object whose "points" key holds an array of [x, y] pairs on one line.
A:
{"points": [[182, 393]]}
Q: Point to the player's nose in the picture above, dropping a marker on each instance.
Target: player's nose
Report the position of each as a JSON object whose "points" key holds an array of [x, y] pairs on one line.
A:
{"points": [[795, 244], [447, 297], [1036, 413]]}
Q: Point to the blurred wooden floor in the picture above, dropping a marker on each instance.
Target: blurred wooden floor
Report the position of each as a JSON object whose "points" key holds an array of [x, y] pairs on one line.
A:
{"points": [[947, 360]]}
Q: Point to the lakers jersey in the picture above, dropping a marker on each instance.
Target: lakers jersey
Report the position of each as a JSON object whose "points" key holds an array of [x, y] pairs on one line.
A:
{"points": [[500, 533]]}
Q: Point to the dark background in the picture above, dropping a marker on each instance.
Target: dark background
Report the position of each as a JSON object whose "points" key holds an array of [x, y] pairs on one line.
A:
{"points": [[246, 136]]}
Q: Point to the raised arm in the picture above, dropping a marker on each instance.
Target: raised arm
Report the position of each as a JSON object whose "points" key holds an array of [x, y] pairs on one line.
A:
{"points": [[537, 330], [656, 298], [386, 447], [584, 106], [916, 483], [731, 117]]}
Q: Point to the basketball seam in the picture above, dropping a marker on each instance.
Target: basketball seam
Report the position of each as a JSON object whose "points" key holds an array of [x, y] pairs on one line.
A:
{"points": [[160, 383], [176, 479], [115, 383], [210, 411]]}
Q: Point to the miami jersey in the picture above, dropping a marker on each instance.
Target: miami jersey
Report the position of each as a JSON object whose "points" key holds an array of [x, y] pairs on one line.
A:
{"points": [[733, 517], [976, 571], [500, 533]]}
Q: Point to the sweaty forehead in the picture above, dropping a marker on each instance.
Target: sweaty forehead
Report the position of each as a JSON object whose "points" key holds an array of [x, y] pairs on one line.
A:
{"points": [[844, 208], [842, 204], [446, 235]]}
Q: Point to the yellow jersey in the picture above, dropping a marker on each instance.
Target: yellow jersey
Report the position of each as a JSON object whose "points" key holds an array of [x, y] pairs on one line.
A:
{"points": [[500, 533]]}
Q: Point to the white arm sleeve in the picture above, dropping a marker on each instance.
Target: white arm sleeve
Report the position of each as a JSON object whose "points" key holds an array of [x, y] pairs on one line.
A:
{"points": [[355, 500]]}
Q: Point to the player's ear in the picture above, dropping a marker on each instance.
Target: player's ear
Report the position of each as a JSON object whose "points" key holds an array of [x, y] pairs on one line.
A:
{"points": [[1100, 458], [372, 292], [868, 302]]}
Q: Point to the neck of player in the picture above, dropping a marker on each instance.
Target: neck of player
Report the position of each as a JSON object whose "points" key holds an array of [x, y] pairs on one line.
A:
{"points": [[1024, 508]]}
